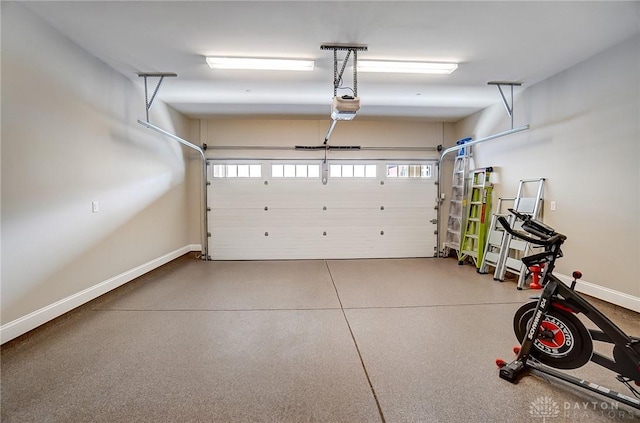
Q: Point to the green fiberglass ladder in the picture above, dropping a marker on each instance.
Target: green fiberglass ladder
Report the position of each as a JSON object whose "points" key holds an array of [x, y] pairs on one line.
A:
{"points": [[478, 206], [502, 251]]}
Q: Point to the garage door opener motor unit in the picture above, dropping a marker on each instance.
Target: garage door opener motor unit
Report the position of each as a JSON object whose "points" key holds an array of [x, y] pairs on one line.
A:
{"points": [[344, 107]]}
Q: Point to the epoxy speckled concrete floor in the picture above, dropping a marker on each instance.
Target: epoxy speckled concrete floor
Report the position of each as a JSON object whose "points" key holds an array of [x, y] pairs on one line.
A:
{"points": [[401, 340]]}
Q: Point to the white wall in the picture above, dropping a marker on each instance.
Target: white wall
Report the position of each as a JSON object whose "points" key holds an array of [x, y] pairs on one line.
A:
{"points": [[585, 139], [292, 132], [70, 137]]}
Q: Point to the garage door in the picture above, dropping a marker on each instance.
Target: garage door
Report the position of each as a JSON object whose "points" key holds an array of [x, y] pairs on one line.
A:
{"points": [[274, 209]]}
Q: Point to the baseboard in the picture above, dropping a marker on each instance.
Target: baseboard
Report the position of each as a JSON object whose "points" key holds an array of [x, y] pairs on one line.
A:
{"points": [[39, 317], [606, 294]]}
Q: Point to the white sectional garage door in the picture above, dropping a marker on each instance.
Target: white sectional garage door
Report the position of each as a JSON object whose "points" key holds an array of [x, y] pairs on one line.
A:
{"points": [[281, 210]]}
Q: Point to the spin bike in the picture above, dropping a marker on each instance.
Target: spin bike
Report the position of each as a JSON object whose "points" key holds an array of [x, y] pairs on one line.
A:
{"points": [[551, 335]]}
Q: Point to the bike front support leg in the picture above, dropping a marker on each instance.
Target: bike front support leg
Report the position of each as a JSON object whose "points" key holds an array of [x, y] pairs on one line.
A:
{"points": [[513, 370]]}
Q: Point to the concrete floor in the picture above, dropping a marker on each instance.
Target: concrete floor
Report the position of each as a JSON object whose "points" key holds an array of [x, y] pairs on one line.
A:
{"points": [[402, 340]]}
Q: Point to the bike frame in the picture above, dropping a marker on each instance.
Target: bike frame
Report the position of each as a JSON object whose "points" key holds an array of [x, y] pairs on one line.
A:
{"points": [[556, 294], [575, 303]]}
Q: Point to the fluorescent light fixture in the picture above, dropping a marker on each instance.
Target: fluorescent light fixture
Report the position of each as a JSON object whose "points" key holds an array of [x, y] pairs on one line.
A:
{"points": [[406, 67], [249, 63]]}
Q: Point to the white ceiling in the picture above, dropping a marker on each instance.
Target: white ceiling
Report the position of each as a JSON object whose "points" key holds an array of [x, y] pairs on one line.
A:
{"points": [[507, 41]]}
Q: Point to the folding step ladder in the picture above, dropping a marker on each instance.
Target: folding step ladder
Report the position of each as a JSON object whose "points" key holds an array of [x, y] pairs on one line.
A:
{"points": [[459, 192], [495, 236], [479, 210], [502, 251]]}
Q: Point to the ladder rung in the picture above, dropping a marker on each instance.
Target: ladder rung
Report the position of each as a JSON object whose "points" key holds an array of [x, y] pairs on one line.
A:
{"points": [[491, 258]]}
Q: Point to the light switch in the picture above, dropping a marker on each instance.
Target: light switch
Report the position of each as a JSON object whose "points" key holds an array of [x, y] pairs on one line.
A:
{"points": [[95, 207], [553, 206]]}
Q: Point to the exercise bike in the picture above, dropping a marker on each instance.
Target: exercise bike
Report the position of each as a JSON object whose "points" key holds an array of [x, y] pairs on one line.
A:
{"points": [[550, 334]]}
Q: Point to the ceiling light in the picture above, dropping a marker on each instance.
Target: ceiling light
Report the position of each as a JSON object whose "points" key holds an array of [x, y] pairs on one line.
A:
{"points": [[249, 63], [405, 67]]}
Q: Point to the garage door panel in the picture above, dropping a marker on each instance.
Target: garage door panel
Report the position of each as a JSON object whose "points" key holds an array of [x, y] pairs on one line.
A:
{"points": [[408, 241], [398, 195], [233, 243], [273, 218], [332, 217], [230, 195], [378, 218], [318, 242], [356, 193], [313, 193]]}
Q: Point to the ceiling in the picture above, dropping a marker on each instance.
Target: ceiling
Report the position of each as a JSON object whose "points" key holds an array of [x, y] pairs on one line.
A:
{"points": [[506, 41]]}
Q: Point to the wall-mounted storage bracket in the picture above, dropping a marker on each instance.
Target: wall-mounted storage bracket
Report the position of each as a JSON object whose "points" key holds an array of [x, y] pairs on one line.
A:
{"points": [[507, 106], [146, 75]]}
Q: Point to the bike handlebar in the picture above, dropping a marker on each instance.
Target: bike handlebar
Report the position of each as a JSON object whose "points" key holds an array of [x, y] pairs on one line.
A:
{"points": [[507, 227], [552, 239]]}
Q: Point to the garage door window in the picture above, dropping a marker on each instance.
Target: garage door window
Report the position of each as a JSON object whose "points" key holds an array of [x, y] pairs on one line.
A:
{"points": [[352, 171], [409, 171], [237, 171], [295, 171]]}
